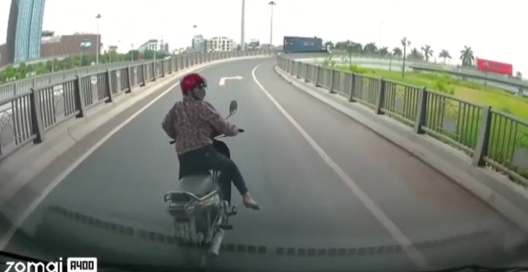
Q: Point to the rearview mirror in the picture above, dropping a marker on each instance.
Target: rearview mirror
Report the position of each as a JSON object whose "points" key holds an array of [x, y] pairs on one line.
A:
{"points": [[233, 106]]}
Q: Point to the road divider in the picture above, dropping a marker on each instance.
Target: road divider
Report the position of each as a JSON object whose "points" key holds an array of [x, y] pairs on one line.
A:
{"points": [[455, 137]]}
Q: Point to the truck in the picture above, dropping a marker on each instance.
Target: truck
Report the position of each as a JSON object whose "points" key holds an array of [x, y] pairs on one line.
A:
{"points": [[303, 45]]}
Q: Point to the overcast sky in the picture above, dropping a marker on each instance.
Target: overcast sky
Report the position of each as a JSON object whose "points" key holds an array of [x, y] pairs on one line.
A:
{"points": [[495, 30]]}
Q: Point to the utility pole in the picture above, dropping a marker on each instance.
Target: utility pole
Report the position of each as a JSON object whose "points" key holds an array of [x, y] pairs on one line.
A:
{"points": [[272, 4], [98, 45], [242, 27]]}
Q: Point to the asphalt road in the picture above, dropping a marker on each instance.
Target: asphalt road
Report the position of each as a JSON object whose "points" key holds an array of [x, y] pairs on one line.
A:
{"points": [[306, 205]]}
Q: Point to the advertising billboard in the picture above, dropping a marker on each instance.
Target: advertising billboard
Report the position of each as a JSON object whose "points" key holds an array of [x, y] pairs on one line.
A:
{"points": [[495, 67]]}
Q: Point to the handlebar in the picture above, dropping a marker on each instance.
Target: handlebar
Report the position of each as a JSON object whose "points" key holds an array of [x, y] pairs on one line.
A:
{"points": [[219, 136]]}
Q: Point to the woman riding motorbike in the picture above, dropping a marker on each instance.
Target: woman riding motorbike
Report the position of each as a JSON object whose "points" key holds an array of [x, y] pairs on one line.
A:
{"points": [[192, 123]]}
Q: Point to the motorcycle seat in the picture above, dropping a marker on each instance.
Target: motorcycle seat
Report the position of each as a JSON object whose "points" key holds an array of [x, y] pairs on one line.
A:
{"points": [[199, 185]]}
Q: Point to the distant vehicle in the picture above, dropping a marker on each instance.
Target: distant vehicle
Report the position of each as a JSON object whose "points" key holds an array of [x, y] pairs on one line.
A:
{"points": [[303, 45], [495, 67]]}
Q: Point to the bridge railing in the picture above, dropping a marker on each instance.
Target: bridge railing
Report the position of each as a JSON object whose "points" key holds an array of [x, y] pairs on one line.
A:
{"points": [[13, 88], [490, 137], [26, 117]]}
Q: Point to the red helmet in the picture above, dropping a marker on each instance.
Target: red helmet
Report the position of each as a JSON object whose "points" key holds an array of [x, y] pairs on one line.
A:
{"points": [[191, 82]]}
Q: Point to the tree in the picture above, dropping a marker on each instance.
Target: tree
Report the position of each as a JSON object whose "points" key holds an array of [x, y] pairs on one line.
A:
{"points": [[444, 54], [396, 51], [370, 49], [466, 56], [384, 51], [427, 52], [415, 55]]}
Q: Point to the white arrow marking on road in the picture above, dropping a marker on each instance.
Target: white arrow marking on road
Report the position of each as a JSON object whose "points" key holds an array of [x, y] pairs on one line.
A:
{"points": [[224, 79]]}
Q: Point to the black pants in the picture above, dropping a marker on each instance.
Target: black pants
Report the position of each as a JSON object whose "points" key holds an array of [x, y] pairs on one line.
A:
{"points": [[200, 161]]}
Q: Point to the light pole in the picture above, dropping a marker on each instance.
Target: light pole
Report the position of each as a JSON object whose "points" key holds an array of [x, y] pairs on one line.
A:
{"points": [[404, 43], [272, 4], [242, 27], [193, 45], [132, 52], [98, 45]]}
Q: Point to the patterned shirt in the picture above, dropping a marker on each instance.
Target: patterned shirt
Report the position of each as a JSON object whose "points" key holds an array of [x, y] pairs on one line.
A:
{"points": [[191, 123]]}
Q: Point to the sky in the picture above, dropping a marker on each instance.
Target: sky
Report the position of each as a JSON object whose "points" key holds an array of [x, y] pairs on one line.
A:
{"points": [[494, 29]]}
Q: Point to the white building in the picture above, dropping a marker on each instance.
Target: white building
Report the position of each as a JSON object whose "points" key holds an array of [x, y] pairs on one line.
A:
{"points": [[150, 45], [221, 44]]}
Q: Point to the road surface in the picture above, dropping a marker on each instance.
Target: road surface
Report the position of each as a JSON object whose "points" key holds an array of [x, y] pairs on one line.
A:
{"points": [[306, 204]]}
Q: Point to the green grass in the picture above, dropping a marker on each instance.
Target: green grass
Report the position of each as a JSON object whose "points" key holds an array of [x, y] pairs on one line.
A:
{"points": [[465, 90], [506, 134]]}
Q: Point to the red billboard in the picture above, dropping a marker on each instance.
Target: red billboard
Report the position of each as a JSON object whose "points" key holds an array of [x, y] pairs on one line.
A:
{"points": [[495, 67]]}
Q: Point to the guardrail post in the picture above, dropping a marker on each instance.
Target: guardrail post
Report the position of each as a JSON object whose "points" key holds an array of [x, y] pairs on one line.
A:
{"points": [[300, 67], [130, 86], [306, 72], [154, 70], [36, 117], [381, 97], [421, 114], [352, 91], [108, 76], [170, 66], [481, 149], [332, 74], [144, 71], [317, 72], [79, 97]]}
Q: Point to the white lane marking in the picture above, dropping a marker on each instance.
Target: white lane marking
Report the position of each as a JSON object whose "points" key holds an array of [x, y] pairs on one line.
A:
{"points": [[224, 79], [400, 237], [4, 241]]}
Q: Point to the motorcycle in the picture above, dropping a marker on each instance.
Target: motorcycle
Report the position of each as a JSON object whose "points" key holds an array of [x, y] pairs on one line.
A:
{"points": [[200, 215]]}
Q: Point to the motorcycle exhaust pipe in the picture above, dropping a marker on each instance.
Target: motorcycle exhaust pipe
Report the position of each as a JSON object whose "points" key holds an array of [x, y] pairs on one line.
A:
{"points": [[216, 243]]}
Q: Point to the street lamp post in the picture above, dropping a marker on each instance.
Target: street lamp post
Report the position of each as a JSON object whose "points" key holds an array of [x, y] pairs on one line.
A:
{"points": [[272, 4], [243, 27], [98, 45], [404, 43], [132, 52]]}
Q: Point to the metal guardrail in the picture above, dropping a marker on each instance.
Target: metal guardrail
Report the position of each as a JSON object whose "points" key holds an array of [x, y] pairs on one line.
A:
{"points": [[26, 117], [13, 88], [490, 137]]}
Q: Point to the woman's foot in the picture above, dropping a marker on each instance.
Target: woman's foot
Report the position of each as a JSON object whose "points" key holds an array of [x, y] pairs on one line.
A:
{"points": [[249, 202]]}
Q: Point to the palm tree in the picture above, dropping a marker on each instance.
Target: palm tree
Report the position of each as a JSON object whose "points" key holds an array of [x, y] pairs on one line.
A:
{"points": [[396, 51], [415, 55], [445, 55], [370, 48], [428, 52], [466, 56], [404, 43], [384, 51]]}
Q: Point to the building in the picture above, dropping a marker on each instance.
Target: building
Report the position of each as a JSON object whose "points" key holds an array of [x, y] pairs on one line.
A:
{"points": [[70, 45], [112, 49], [150, 45], [221, 44], [199, 44], [24, 30], [3, 55], [166, 47]]}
